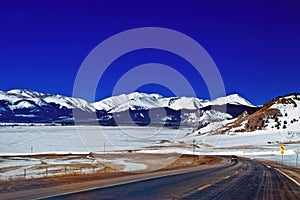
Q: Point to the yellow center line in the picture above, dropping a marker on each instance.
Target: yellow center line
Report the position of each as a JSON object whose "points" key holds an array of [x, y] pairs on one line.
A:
{"points": [[204, 186], [226, 177]]}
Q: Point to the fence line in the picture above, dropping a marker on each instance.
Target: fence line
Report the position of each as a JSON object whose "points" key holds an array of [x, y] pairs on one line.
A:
{"points": [[49, 171]]}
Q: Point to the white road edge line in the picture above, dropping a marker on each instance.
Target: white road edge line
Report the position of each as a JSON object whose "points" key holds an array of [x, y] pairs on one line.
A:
{"points": [[117, 184], [288, 177]]}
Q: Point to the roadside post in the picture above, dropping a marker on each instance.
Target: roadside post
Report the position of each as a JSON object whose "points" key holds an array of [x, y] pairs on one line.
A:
{"points": [[297, 154], [194, 148], [282, 148]]}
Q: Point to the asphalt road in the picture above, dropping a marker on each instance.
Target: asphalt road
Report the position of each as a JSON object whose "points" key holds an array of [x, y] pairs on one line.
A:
{"points": [[243, 180]]}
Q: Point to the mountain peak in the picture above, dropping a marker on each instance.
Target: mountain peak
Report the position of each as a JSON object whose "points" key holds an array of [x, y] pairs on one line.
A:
{"points": [[136, 95], [234, 99], [24, 93]]}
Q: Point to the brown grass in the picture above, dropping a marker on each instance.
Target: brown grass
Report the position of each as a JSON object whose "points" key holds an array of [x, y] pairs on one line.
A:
{"points": [[180, 161]]}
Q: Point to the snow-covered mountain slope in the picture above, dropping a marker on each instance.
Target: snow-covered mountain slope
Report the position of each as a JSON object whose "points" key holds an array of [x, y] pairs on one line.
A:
{"points": [[189, 103], [282, 113], [203, 118], [233, 99], [70, 102], [131, 101], [18, 100], [25, 99], [148, 101]]}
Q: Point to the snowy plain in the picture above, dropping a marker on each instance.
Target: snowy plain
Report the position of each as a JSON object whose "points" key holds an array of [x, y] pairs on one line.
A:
{"points": [[27, 140], [24, 140], [34, 140], [18, 143]]}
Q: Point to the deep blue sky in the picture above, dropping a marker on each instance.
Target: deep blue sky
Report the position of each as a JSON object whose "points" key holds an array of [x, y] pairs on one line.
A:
{"points": [[255, 44]]}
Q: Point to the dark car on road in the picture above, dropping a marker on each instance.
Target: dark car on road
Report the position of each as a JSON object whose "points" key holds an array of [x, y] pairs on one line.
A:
{"points": [[234, 158]]}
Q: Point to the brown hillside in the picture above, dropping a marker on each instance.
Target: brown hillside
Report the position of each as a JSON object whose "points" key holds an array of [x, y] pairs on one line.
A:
{"points": [[259, 120]]}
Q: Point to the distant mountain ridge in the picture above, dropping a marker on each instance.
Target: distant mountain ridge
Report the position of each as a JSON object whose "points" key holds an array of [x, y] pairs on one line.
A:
{"points": [[30, 106], [42, 99], [148, 101], [228, 114], [140, 108]]}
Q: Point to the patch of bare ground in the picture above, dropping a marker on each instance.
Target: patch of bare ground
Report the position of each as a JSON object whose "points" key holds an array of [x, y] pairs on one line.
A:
{"points": [[166, 161], [242, 147], [6, 169], [252, 122], [180, 145], [291, 142], [153, 161]]}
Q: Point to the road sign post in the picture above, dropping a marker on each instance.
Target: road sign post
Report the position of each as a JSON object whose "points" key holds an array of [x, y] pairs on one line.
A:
{"points": [[282, 148]]}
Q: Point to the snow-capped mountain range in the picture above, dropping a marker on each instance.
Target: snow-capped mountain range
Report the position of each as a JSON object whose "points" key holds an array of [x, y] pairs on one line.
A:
{"points": [[149, 101], [232, 113], [30, 106], [21, 99]]}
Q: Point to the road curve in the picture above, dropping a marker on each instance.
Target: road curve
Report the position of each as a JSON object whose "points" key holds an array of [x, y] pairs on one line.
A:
{"points": [[243, 180]]}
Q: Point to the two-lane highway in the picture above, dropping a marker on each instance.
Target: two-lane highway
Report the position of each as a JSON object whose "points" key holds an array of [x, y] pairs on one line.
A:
{"points": [[243, 180]]}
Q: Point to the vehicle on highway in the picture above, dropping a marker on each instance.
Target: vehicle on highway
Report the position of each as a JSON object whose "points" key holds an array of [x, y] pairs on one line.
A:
{"points": [[234, 158]]}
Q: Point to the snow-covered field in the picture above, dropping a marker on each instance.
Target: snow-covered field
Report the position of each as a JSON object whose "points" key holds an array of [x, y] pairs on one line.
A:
{"points": [[81, 139], [22, 141], [26, 140], [34, 140]]}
